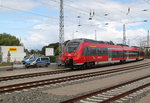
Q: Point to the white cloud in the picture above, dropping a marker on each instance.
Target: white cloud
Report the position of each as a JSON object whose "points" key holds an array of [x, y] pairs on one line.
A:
{"points": [[48, 32], [41, 35], [25, 5]]}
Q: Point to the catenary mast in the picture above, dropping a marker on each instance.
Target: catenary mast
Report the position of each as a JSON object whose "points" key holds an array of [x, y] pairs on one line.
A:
{"points": [[61, 28]]}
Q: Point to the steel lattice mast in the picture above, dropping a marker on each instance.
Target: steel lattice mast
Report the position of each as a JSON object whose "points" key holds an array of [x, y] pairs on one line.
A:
{"points": [[61, 28]]}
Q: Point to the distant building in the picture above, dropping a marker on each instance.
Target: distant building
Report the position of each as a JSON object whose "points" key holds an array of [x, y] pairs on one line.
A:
{"points": [[11, 53]]}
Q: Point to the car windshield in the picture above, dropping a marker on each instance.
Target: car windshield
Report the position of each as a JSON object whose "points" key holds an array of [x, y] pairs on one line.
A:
{"points": [[33, 59], [25, 58], [72, 47]]}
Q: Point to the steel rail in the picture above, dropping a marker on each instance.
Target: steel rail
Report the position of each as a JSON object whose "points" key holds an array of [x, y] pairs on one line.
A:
{"points": [[31, 75], [125, 93]]}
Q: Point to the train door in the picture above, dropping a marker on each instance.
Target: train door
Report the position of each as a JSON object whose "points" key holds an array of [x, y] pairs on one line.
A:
{"points": [[138, 55], [86, 54], [88, 57], [124, 55], [109, 55]]}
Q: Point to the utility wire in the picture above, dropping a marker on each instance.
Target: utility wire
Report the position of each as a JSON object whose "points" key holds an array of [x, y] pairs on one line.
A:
{"points": [[50, 17], [28, 12]]}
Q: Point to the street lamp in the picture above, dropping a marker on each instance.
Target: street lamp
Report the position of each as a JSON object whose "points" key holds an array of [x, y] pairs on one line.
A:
{"points": [[124, 30]]}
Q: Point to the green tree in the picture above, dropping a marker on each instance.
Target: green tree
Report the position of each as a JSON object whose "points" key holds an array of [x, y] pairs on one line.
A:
{"points": [[53, 45], [56, 50], [9, 40]]}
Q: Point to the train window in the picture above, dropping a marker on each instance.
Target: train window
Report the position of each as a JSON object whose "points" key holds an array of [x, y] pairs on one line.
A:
{"points": [[72, 47], [95, 51], [102, 51], [132, 54], [116, 54], [92, 50], [120, 53]]}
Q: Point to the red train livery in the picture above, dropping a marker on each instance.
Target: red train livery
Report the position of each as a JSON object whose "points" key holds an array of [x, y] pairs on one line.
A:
{"points": [[87, 53]]}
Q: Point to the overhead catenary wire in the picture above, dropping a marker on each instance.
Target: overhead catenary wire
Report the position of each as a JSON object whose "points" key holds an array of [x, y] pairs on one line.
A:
{"points": [[33, 13], [84, 12], [21, 10]]}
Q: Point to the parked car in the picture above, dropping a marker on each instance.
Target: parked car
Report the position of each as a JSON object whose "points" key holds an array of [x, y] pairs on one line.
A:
{"points": [[28, 58], [38, 62]]}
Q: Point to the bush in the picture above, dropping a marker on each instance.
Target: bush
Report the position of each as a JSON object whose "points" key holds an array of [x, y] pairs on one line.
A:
{"points": [[6, 64]]}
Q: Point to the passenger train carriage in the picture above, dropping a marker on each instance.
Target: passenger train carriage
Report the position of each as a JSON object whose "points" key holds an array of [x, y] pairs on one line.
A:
{"points": [[87, 53]]}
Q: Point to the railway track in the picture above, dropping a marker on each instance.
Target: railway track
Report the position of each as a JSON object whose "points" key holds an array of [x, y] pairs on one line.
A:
{"points": [[34, 84], [120, 93], [31, 75], [50, 73]]}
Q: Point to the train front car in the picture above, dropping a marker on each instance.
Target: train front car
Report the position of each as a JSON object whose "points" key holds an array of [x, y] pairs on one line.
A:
{"points": [[71, 55]]}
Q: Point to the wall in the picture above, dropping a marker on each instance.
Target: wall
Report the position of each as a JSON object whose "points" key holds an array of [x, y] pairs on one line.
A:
{"points": [[16, 53]]}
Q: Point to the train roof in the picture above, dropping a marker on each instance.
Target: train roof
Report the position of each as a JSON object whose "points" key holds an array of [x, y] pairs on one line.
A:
{"points": [[93, 41], [102, 42]]}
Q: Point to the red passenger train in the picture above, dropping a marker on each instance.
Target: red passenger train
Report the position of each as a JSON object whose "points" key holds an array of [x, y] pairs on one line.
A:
{"points": [[87, 53]]}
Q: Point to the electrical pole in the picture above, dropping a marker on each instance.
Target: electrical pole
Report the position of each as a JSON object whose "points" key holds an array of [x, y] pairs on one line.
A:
{"points": [[124, 34], [61, 28]]}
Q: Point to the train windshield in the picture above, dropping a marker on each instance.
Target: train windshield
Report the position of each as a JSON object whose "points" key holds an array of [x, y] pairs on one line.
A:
{"points": [[72, 47]]}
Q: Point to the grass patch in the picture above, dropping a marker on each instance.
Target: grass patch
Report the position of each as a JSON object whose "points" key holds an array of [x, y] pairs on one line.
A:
{"points": [[6, 64]]}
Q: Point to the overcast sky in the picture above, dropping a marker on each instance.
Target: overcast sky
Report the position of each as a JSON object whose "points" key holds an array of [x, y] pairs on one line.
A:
{"points": [[36, 22]]}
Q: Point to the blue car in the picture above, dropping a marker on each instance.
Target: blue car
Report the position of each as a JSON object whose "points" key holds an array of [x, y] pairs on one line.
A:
{"points": [[38, 62], [28, 58]]}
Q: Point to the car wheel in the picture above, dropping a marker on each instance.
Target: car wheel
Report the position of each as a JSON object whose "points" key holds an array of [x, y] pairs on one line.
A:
{"points": [[27, 66]]}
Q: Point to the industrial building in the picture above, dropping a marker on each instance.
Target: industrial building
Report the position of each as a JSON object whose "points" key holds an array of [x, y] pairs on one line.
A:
{"points": [[11, 53]]}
